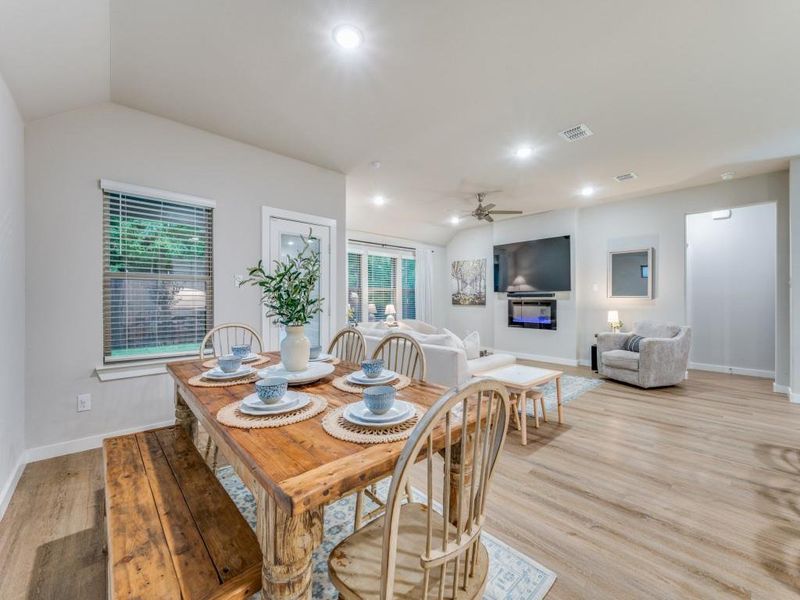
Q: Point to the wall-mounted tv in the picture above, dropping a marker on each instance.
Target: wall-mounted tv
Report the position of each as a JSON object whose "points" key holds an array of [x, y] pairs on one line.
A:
{"points": [[533, 266]]}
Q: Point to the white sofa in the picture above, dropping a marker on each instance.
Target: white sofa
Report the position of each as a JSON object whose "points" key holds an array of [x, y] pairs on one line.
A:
{"points": [[447, 364]]}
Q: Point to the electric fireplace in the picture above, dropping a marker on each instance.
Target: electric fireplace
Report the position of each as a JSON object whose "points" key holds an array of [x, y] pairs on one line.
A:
{"points": [[532, 313]]}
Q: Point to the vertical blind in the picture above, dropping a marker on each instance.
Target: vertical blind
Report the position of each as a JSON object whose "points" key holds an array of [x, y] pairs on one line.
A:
{"points": [[158, 296], [380, 277]]}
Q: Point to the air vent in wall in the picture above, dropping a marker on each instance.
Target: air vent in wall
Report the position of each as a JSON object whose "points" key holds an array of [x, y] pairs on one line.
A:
{"points": [[576, 133], [626, 176]]}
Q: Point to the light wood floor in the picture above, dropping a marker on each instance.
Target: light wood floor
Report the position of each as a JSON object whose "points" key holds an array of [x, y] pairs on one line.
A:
{"points": [[687, 492]]}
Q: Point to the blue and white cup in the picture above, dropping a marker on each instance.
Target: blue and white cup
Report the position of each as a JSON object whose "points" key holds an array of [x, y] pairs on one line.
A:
{"points": [[241, 350], [230, 363], [379, 399], [271, 389], [373, 367], [314, 352]]}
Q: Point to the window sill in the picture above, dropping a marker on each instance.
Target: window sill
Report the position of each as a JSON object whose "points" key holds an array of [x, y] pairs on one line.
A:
{"points": [[139, 368]]}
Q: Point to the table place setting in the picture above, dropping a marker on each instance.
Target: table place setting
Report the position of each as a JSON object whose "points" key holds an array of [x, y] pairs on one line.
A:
{"points": [[271, 405], [378, 418], [372, 373], [313, 372], [244, 352], [228, 371]]}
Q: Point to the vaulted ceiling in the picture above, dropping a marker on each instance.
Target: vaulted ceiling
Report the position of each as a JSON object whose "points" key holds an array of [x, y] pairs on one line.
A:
{"points": [[441, 93]]}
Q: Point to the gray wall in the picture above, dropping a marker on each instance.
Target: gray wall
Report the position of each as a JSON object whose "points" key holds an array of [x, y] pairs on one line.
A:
{"points": [[730, 284], [12, 294], [657, 221], [792, 216], [65, 156]]}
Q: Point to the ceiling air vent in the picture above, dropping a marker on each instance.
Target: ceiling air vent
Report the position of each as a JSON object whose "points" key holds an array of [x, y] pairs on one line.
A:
{"points": [[576, 133], [626, 177]]}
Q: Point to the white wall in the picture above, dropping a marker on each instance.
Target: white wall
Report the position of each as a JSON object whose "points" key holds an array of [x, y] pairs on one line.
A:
{"points": [[730, 283], [792, 216], [12, 294], [657, 221], [472, 244], [440, 268], [65, 156]]}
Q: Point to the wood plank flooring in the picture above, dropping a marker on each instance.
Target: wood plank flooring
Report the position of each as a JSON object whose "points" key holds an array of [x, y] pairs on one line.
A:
{"points": [[686, 492]]}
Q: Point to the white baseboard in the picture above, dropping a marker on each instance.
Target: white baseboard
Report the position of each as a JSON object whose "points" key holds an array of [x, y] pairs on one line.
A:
{"points": [[733, 370], [781, 389], [585, 362], [11, 484], [558, 360], [794, 398], [81, 444]]}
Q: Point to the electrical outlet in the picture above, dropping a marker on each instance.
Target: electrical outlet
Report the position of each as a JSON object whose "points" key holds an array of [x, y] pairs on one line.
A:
{"points": [[84, 402]]}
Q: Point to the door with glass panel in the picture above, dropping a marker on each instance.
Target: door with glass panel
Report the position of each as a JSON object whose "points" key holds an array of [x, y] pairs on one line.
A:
{"points": [[285, 240]]}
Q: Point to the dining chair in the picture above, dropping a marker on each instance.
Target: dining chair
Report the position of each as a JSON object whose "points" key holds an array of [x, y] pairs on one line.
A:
{"points": [[348, 345], [219, 340], [402, 354], [432, 547]]}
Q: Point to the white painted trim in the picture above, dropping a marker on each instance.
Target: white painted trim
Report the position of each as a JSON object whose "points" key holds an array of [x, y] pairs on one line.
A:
{"points": [[732, 370], [794, 398], [267, 212], [781, 389], [156, 194], [139, 368], [11, 484], [87, 443], [557, 360], [585, 362]]}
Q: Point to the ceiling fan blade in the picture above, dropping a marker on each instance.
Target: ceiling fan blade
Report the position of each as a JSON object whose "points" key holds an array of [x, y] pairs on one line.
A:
{"points": [[489, 206], [505, 212], [488, 218]]}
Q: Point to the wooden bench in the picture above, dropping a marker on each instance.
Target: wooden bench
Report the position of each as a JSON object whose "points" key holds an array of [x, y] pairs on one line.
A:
{"points": [[173, 532]]}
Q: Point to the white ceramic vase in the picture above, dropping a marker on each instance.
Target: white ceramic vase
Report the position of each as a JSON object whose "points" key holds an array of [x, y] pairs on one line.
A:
{"points": [[295, 348]]}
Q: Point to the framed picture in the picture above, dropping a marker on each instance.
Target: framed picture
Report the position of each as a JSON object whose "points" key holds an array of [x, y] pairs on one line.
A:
{"points": [[468, 282]]}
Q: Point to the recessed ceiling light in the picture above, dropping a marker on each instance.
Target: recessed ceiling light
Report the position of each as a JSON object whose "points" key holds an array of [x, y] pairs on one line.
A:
{"points": [[378, 200], [348, 36], [728, 175], [587, 191], [523, 152], [455, 220]]}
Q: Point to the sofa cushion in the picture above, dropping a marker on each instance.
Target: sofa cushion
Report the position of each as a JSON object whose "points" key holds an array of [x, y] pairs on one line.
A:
{"points": [[419, 326], [434, 339], [621, 359], [653, 329], [472, 345], [457, 341], [632, 343], [489, 362]]}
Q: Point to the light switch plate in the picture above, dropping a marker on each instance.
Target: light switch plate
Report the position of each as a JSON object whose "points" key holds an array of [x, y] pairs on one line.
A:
{"points": [[84, 402]]}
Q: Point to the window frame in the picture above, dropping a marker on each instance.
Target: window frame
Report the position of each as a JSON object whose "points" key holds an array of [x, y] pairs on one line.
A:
{"points": [[398, 254], [155, 195]]}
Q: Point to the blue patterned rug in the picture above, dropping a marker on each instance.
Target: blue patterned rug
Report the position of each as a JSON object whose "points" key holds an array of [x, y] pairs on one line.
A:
{"points": [[572, 386], [512, 575]]}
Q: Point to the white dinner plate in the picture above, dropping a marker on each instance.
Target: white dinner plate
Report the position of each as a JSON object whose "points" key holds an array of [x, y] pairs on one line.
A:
{"points": [[323, 357], [315, 371], [290, 398], [249, 405], [251, 357], [217, 373], [359, 414], [360, 378]]}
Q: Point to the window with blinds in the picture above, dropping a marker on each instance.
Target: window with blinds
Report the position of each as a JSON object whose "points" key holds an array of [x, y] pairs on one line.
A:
{"points": [[377, 277], [158, 298]]}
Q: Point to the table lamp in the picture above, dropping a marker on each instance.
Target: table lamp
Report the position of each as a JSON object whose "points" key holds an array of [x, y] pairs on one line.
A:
{"points": [[372, 311], [613, 321], [390, 312]]}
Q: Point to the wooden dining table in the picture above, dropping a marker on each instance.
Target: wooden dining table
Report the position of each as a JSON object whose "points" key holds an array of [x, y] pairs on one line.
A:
{"points": [[295, 470]]}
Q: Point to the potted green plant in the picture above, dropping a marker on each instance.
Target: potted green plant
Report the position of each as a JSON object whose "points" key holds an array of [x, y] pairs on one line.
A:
{"points": [[286, 294]]}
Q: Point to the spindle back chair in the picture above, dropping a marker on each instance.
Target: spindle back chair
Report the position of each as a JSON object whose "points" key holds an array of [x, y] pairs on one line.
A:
{"points": [[222, 337], [348, 345], [402, 354]]}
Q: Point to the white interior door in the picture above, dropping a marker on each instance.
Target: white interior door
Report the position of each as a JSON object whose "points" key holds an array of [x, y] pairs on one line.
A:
{"points": [[285, 239]]}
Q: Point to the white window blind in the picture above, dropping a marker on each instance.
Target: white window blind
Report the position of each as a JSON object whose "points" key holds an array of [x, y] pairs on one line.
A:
{"points": [[379, 276], [158, 296]]}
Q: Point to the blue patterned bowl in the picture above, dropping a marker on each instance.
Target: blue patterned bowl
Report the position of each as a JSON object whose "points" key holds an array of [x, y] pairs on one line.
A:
{"points": [[229, 363], [241, 350], [271, 389], [372, 368], [379, 399]]}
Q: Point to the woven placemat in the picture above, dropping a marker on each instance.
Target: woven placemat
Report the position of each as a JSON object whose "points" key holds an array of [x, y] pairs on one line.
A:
{"points": [[262, 360], [231, 415], [336, 425], [199, 381], [341, 383]]}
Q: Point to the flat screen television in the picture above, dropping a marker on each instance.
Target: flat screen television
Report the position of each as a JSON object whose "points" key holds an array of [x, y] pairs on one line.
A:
{"points": [[533, 266]]}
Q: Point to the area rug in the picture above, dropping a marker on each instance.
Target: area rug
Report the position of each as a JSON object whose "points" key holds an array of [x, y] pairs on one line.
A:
{"points": [[572, 386], [512, 575]]}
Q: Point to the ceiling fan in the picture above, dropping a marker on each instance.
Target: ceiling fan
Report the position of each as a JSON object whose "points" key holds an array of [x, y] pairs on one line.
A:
{"points": [[485, 212]]}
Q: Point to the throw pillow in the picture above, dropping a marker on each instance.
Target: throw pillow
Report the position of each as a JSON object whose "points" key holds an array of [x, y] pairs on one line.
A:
{"points": [[472, 344], [434, 339], [632, 343], [454, 339]]}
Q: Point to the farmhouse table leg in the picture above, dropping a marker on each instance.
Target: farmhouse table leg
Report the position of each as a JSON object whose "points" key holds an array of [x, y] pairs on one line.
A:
{"points": [[184, 416], [287, 543], [558, 395]]}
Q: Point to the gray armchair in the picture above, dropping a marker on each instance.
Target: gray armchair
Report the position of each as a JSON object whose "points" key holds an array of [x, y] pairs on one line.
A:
{"points": [[662, 358]]}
